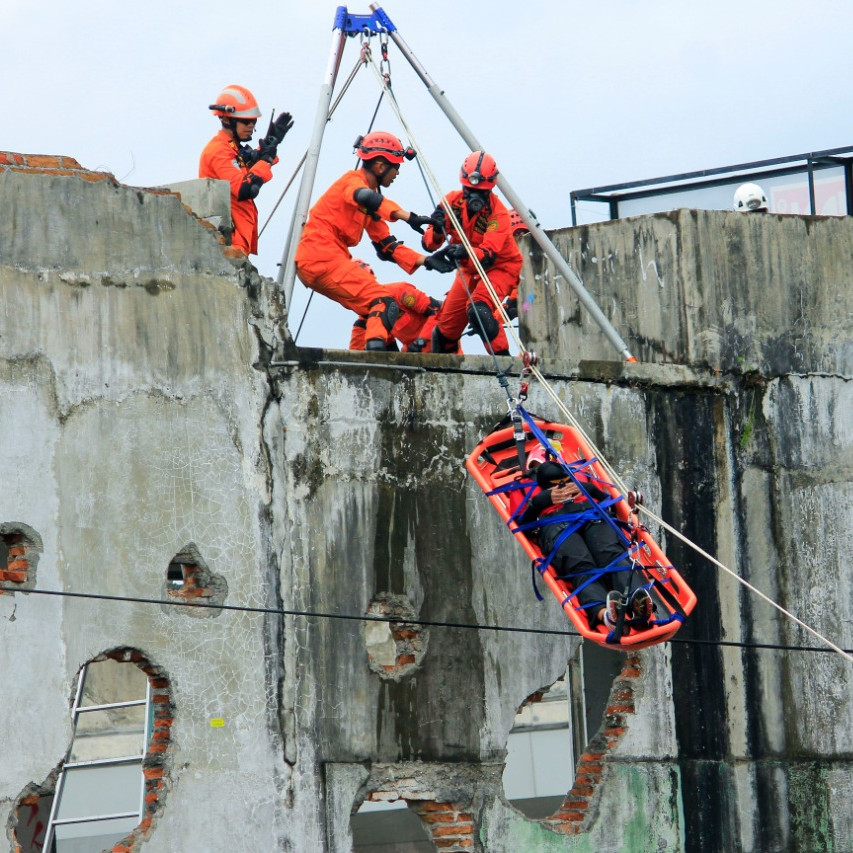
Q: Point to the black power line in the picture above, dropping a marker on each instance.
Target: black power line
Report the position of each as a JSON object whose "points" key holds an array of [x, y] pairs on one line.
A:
{"points": [[426, 623]]}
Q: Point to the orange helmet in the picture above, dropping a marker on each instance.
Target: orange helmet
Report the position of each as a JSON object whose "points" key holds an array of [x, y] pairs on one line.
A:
{"points": [[479, 171], [516, 224], [236, 102], [380, 143]]}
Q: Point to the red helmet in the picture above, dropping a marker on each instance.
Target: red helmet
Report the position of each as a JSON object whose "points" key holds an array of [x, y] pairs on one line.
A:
{"points": [[479, 171], [236, 102], [380, 143], [516, 224]]}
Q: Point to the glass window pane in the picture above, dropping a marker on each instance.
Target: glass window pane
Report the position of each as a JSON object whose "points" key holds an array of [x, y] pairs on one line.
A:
{"points": [[88, 837], [108, 681], [109, 733], [96, 791]]}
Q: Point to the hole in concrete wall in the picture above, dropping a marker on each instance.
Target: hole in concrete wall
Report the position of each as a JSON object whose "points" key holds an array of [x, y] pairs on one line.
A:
{"points": [[20, 547], [540, 754], [552, 729], [388, 826], [188, 579], [110, 783], [395, 647]]}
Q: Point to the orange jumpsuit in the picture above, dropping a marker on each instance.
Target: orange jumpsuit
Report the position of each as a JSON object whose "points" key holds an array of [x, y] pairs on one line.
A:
{"points": [[323, 260], [490, 233], [220, 160], [415, 319]]}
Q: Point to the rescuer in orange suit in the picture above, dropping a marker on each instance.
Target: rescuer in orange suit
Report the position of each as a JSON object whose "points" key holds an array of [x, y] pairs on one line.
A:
{"points": [[229, 157], [485, 222], [337, 221], [412, 318], [519, 229]]}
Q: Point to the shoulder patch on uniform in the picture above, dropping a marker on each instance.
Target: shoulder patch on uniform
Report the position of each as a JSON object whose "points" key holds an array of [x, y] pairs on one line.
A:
{"points": [[409, 300], [493, 225]]}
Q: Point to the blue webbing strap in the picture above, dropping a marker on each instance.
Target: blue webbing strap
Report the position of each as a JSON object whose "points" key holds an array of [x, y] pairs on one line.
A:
{"points": [[596, 511]]}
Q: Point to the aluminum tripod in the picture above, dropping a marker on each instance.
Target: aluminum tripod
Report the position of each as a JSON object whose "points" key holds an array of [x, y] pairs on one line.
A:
{"points": [[378, 22]]}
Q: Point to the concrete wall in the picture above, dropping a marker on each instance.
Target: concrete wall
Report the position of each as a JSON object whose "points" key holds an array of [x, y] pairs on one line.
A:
{"points": [[715, 289], [151, 399], [130, 428]]}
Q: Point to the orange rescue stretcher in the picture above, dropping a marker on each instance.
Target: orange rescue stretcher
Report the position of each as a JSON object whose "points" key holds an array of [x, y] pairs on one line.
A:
{"points": [[494, 464]]}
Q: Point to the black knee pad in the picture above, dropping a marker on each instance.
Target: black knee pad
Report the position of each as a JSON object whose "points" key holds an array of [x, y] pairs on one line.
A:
{"points": [[387, 310], [482, 321]]}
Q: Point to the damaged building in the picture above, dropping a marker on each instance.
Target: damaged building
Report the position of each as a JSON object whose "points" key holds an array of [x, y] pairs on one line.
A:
{"points": [[252, 601]]}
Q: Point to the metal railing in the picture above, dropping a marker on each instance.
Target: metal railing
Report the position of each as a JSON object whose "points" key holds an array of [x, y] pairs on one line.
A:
{"points": [[655, 191]]}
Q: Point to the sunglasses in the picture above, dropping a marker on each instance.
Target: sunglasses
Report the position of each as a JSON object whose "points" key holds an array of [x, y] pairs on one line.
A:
{"points": [[247, 120]]}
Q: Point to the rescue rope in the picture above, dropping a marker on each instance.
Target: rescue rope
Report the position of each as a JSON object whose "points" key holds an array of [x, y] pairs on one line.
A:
{"points": [[430, 177], [563, 408], [616, 479]]}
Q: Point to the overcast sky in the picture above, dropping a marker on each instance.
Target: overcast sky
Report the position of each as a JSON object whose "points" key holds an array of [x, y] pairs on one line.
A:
{"points": [[565, 94]]}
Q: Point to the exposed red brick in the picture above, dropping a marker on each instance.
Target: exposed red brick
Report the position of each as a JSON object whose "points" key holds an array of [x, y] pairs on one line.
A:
{"points": [[567, 827], [569, 816], [405, 634], [439, 817], [13, 577], [432, 806], [582, 791], [458, 829]]}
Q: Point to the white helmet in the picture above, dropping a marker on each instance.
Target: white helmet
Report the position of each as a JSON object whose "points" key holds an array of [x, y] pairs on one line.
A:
{"points": [[750, 197]]}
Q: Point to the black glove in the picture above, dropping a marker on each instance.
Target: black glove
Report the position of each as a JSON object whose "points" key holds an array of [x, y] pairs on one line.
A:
{"points": [[456, 252], [434, 305], [267, 149], [420, 222], [511, 308], [439, 221], [439, 261], [248, 155], [279, 127]]}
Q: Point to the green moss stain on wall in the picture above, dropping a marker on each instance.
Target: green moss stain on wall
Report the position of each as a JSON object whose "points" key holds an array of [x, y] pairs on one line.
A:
{"points": [[811, 820]]}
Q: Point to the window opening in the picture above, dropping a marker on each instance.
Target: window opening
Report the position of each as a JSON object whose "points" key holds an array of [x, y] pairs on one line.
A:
{"points": [[175, 579], [189, 580], [20, 547], [389, 827], [100, 791], [552, 730], [540, 751], [597, 668]]}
